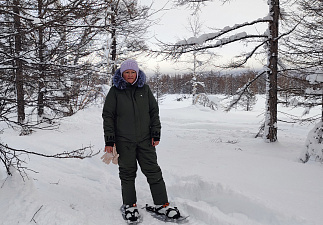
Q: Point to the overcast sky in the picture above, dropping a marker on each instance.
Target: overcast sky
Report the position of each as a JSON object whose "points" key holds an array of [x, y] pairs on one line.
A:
{"points": [[173, 26]]}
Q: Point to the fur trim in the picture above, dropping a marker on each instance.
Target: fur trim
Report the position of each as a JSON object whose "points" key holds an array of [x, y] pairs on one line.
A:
{"points": [[121, 83]]}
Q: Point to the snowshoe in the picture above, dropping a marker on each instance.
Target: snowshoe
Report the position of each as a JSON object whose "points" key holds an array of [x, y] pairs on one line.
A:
{"points": [[131, 214], [166, 213]]}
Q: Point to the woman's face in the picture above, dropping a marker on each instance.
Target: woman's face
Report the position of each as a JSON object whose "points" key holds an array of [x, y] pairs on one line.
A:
{"points": [[130, 76]]}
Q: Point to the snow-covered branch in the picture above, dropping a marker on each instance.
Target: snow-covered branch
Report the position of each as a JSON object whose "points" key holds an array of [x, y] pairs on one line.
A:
{"points": [[177, 50], [201, 43], [211, 36], [184, 2]]}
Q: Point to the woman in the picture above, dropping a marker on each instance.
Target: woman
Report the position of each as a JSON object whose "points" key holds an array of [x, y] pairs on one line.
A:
{"points": [[131, 123]]}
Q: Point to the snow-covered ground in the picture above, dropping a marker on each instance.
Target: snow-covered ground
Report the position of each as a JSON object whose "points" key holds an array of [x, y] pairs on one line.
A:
{"points": [[214, 169]]}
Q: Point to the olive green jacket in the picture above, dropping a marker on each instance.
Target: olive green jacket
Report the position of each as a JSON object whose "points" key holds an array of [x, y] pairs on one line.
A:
{"points": [[130, 112]]}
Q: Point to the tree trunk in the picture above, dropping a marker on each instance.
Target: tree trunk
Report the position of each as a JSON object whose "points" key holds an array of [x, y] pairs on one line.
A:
{"points": [[41, 86], [114, 40], [18, 64], [271, 114]]}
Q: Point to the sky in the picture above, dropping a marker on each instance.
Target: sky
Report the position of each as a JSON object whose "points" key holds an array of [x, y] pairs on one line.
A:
{"points": [[173, 26]]}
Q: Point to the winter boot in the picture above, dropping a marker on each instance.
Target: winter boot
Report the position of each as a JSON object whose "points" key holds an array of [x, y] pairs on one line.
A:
{"points": [[169, 212], [131, 213]]}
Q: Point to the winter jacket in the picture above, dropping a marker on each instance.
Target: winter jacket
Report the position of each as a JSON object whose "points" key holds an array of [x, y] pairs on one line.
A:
{"points": [[130, 112]]}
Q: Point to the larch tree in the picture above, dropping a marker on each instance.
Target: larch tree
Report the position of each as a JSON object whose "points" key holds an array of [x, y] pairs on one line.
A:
{"points": [[199, 59], [44, 47], [303, 52], [44, 51], [269, 39], [126, 25]]}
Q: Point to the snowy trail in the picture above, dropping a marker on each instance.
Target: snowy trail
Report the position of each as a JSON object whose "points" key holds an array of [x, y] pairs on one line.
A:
{"points": [[214, 169]]}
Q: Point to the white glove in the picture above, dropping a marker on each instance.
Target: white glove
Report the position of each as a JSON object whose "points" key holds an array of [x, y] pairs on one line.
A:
{"points": [[108, 157]]}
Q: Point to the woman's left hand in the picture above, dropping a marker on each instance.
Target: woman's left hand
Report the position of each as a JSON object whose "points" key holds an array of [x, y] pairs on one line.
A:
{"points": [[154, 143]]}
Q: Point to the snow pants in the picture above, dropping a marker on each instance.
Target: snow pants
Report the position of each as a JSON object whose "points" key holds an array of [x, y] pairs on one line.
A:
{"points": [[145, 154]]}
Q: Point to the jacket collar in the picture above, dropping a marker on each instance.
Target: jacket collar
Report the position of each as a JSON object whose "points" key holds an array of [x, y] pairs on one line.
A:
{"points": [[121, 83]]}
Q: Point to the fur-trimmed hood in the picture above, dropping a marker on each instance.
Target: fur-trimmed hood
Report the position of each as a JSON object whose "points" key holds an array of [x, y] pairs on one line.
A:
{"points": [[121, 83]]}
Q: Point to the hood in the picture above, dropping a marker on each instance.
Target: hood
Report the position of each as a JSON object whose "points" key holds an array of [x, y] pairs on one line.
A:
{"points": [[121, 83]]}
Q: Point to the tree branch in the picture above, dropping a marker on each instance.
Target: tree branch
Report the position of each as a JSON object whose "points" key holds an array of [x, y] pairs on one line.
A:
{"points": [[11, 157], [241, 91]]}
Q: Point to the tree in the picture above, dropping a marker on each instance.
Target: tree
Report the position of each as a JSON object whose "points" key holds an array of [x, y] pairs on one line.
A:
{"points": [[270, 131], [315, 137], [303, 51], [64, 43], [248, 99], [11, 51], [157, 86], [303, 54], [44, 53], [47, 50], [269, 38], [44, 47], [199, 59], [127, 23]]}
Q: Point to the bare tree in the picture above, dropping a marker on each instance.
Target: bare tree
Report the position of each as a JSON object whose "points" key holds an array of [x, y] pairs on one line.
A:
{"points": [[303, 50], [126, 25], [304, 54], [45, 47], [198, 59], [157, 86]]}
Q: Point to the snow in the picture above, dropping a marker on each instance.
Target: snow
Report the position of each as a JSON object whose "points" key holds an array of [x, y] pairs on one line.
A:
{"points": [[312, 91], [210, 36], [315, 78], [204, 37], [314, 147], [214, 169]]}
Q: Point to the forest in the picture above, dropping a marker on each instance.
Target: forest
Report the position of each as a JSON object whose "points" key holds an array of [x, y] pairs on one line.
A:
{"points": [[226, 84]]}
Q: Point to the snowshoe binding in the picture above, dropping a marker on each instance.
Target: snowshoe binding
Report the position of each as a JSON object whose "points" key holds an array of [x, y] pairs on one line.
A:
{"points": [[131, 214], [166, 213]]}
